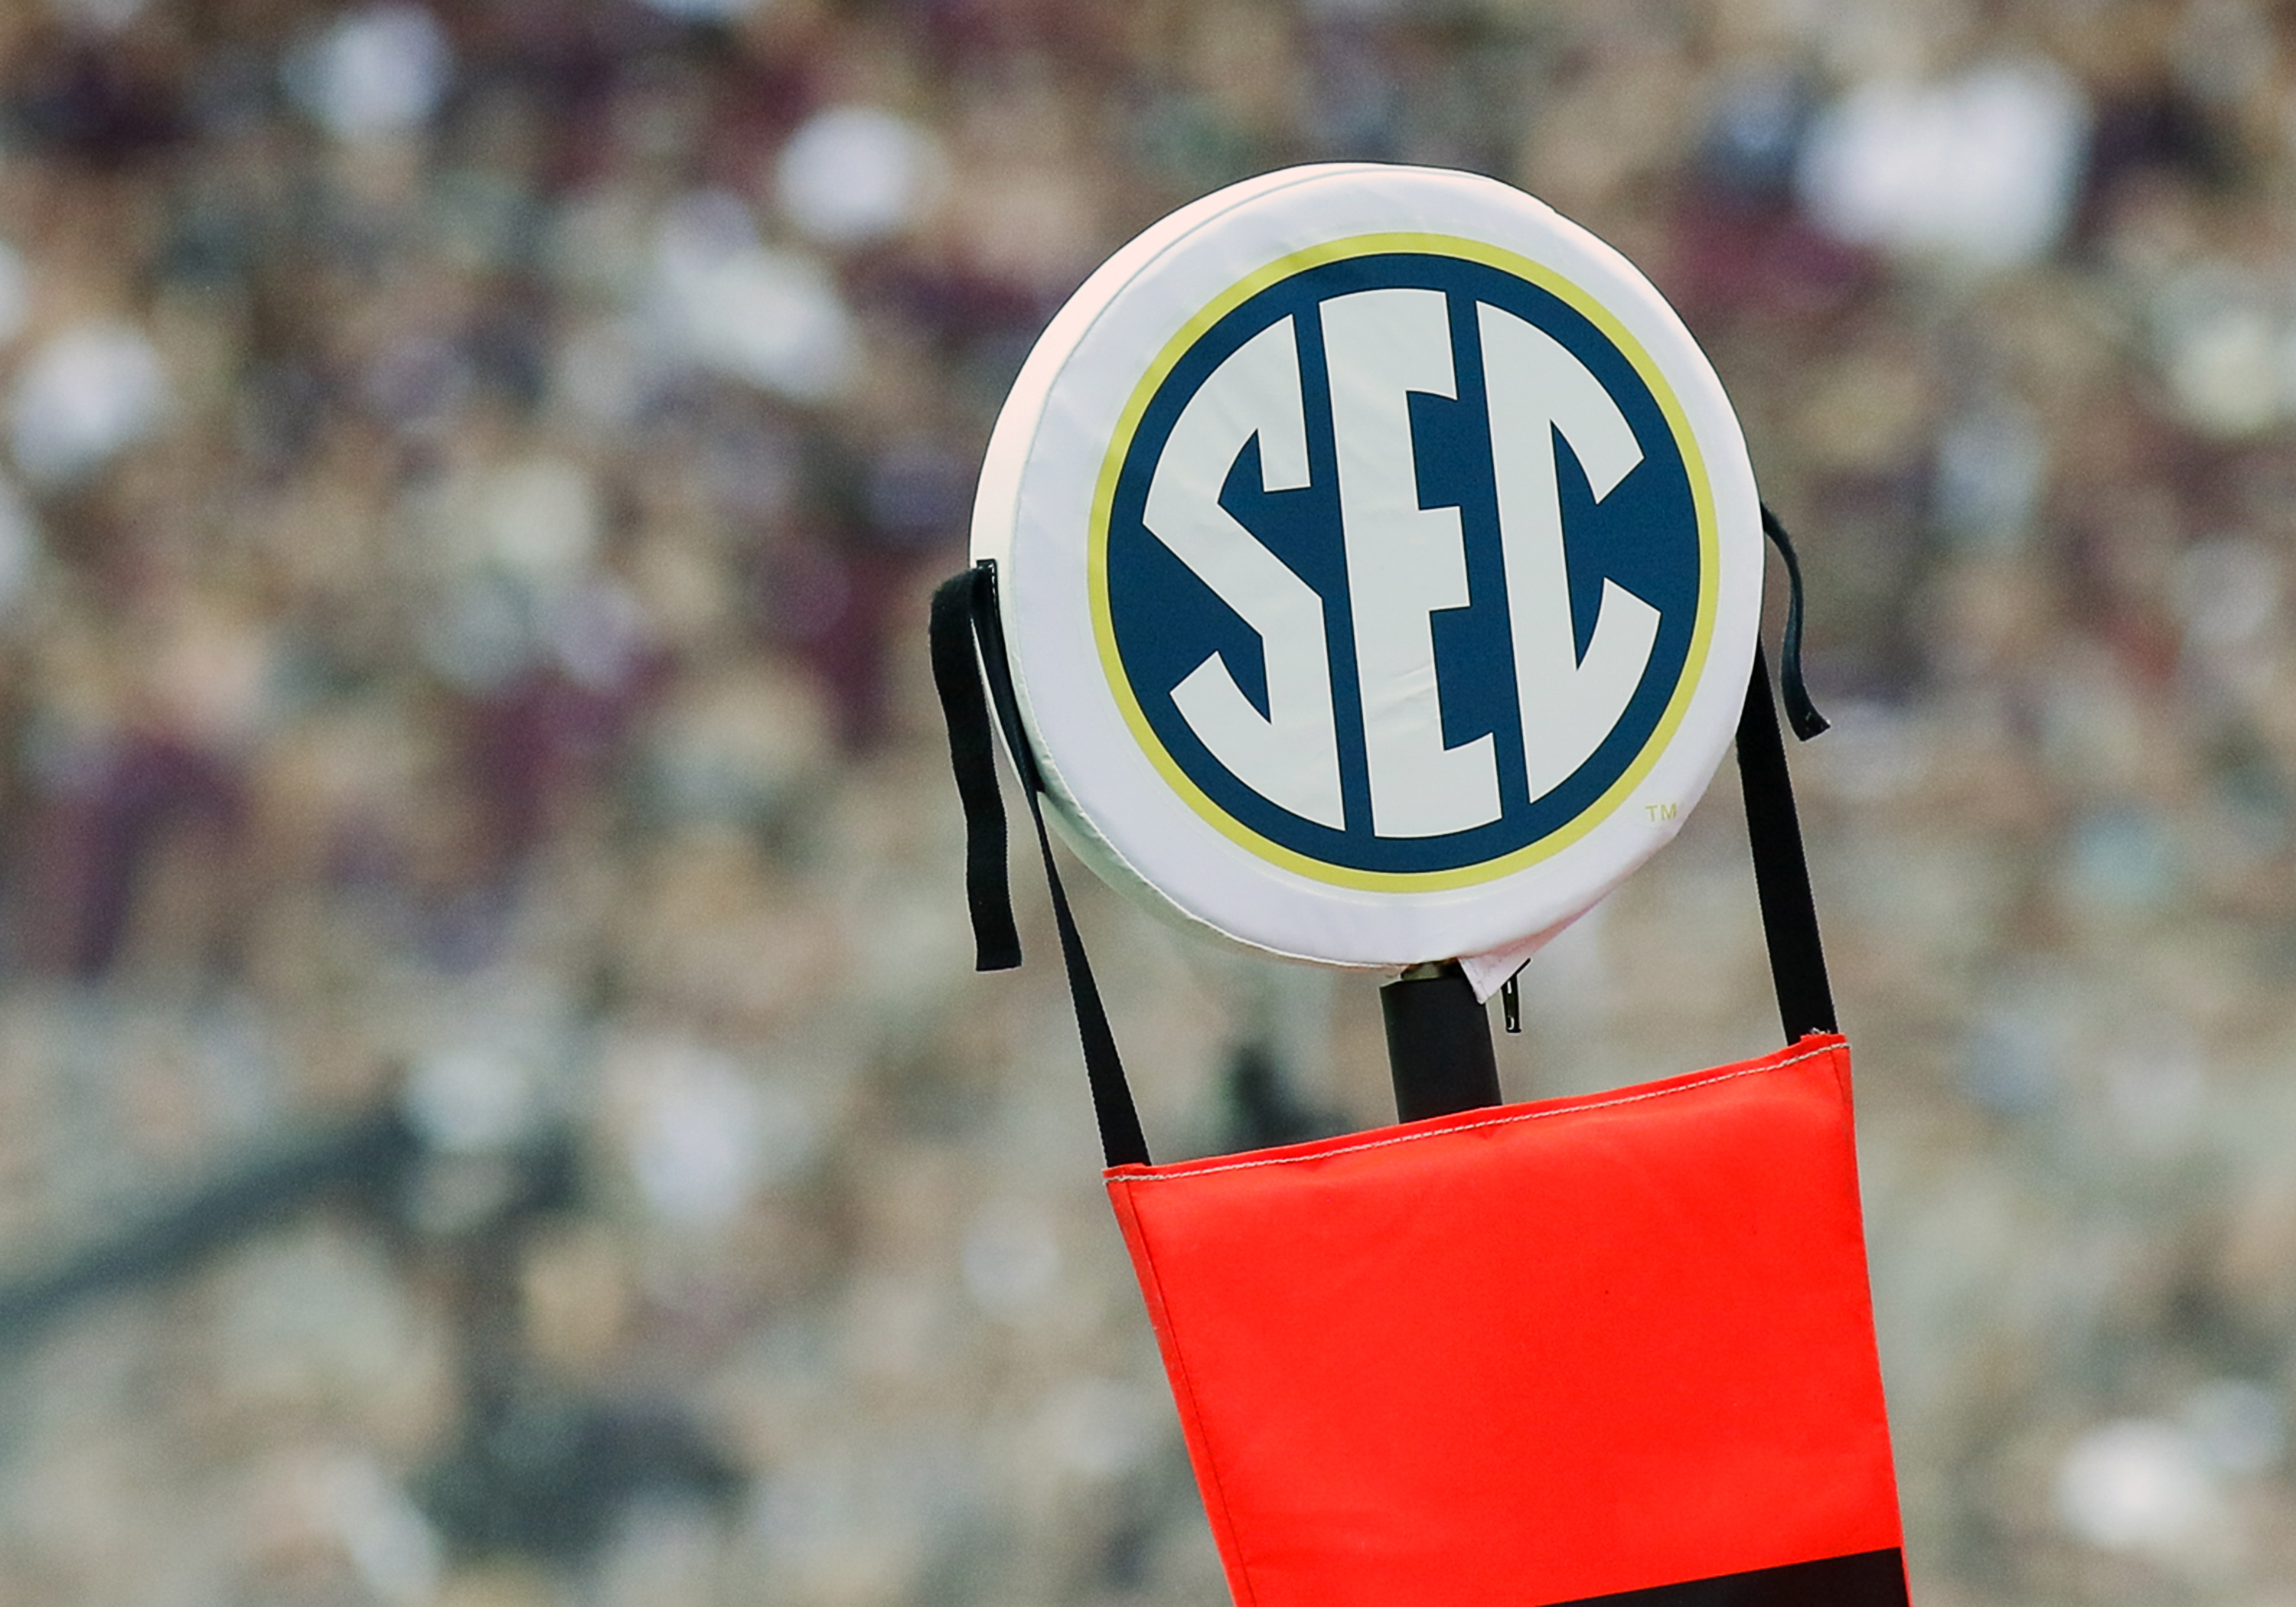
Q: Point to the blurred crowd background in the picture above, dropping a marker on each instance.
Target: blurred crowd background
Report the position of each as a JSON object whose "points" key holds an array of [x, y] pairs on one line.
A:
{"points": [[494, 1108]]}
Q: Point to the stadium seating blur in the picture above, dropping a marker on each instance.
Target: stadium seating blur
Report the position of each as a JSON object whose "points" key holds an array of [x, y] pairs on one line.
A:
{"points": [[494, 1106]]}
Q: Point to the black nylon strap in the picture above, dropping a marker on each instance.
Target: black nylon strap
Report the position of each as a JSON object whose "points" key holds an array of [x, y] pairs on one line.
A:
{"points": [[1802, 714], [973, 755], [1780, 871], [964, 619], [965, 623]]}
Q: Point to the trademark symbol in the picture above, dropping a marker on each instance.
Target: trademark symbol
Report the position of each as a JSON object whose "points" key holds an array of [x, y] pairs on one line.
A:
{"points": [[1658, 812]]}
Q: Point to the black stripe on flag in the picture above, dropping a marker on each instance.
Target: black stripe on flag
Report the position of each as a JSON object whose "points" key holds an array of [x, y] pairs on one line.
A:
{"points": [[1871, 1579]]}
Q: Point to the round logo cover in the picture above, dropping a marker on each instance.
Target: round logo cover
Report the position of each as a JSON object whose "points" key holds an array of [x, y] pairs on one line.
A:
{"points": [[1380, 565]]}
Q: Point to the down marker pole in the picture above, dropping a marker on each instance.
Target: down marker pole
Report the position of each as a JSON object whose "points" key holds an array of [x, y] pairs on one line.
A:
{"points": [[1439, 1043]]}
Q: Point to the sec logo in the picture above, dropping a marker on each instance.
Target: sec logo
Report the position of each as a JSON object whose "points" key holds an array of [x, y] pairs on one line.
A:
{"points": [[1380, 563], [1465, 632]]}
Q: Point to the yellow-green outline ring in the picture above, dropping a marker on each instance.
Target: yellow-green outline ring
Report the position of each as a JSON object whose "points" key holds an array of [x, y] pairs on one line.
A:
{"points": [[1104, 497]]}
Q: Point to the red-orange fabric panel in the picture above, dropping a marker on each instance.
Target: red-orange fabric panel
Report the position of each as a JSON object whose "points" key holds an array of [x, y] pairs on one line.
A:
{"points": [[1531, 1354]]}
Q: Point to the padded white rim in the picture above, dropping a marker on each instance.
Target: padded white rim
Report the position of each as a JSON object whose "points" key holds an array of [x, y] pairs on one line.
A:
{"points": [[1034, 513]]}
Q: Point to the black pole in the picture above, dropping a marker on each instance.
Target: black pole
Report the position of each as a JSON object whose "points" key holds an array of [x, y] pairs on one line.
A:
{"points": [[1439, 1043]]}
